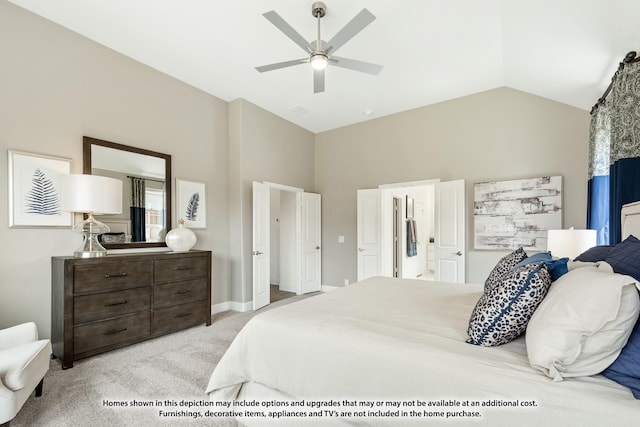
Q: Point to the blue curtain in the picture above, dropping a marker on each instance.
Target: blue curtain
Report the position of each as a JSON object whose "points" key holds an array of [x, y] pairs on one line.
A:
{"points": [[624, 181], [137, 210], [614, 154]]}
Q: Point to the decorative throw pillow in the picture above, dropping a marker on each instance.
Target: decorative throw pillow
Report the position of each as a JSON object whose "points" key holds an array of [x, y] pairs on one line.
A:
{"points": [[626, 368], [583, 323], [625, 257], [502, 313], [556, 267], [595, 254], [505, 264]]}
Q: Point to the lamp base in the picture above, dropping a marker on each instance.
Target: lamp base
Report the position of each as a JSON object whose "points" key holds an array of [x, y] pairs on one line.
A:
{"points": [[90, 229]]}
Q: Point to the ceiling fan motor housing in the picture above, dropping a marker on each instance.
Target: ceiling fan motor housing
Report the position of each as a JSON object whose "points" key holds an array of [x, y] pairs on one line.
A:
{"points": [[318, 8]]}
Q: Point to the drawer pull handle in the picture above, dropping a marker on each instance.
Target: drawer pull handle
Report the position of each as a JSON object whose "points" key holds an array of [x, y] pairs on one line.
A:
{"points": [[177, 316], [115, 331], [182, 291], [182, 268], [113, 276], [116, 303]]}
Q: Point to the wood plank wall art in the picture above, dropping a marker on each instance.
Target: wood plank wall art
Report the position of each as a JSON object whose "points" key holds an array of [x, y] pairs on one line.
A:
{"points": [[517, 213]]}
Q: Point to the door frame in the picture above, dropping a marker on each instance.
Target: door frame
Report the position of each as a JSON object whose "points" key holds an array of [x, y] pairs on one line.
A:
{"points": [[298, 216], [387, 193]]}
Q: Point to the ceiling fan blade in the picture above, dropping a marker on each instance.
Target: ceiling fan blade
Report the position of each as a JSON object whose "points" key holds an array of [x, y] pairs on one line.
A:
{"points": [[318, 81], [288, 30], [357, 24], [354, 64], [279, 65]]}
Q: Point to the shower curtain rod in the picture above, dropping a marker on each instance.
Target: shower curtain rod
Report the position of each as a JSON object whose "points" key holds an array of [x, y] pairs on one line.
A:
{"points": [[628, 59]]}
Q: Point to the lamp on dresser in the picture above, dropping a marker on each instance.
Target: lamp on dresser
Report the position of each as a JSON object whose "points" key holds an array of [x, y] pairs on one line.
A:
{"points": [[91, 195]]}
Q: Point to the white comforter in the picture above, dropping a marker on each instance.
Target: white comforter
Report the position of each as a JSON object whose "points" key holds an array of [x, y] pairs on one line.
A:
{"points": [[391, 339]]}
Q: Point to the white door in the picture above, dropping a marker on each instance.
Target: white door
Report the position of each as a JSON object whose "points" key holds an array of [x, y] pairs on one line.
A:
{"points": [[310, 232], [368, 233], [450, 231], [261, 245]]}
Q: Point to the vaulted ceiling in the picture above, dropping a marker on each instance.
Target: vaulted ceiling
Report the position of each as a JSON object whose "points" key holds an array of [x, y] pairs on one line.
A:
{"points": [[431, 50]]}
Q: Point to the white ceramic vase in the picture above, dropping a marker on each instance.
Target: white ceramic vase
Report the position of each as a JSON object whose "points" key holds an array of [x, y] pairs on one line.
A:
{"points": [[180, 239]]}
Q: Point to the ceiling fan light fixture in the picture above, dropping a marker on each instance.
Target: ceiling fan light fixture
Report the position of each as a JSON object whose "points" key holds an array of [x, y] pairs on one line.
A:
{"points": [[319, 61]]}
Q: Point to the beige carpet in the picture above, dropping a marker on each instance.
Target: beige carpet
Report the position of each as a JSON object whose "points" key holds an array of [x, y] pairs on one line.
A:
{"points": [[175, 367]]}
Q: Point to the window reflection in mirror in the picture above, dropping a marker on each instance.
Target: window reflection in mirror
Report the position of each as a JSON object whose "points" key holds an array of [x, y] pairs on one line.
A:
{"points": [[145, 218]]}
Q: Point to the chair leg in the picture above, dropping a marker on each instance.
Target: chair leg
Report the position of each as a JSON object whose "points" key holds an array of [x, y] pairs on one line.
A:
{"points": [[38, 390]]}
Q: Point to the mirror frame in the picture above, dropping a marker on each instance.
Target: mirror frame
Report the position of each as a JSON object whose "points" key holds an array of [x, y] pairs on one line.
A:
{"points": [[88, 142]]}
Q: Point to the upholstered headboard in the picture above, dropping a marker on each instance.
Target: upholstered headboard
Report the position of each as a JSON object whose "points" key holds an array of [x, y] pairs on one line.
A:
{"points": [[630, 220]]}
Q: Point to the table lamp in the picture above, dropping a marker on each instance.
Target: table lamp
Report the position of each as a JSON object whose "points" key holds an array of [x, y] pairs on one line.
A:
{"points": [[91, 195], [570, 243]]}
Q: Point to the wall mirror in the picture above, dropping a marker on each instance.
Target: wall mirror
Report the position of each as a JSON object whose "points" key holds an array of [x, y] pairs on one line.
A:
{"points": [[146, 192]]}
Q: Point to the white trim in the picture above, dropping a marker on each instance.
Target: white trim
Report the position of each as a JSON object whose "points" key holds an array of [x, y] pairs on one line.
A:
{"points": [[410, 183], [282, 187], [241, 307]]}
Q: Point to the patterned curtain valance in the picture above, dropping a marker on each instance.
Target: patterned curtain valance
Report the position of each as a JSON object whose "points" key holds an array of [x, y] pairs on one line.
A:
{"points": [[625, 113]]}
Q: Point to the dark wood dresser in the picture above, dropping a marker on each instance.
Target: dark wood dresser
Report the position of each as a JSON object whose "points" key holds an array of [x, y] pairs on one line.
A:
{"points": [[100, 304]]}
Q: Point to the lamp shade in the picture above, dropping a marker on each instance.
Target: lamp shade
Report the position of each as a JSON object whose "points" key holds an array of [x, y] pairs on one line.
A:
{"points": [[90, 194], [570, 243]]}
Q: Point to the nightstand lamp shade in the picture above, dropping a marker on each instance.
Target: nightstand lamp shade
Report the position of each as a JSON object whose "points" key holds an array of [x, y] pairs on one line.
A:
{"points": [[91, 195], [570, 243]]}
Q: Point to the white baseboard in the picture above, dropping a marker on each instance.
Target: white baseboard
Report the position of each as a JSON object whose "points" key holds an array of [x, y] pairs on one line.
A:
{"points": [[248, 306], [232, 305]]}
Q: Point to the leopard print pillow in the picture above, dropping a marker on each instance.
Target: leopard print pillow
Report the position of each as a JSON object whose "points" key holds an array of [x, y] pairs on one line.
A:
{"points": [[502, 314], [505, 264]]}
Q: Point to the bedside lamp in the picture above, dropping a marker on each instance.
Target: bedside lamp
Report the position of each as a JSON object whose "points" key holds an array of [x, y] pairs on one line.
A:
{"points": [[91, 195], [570, 243]]}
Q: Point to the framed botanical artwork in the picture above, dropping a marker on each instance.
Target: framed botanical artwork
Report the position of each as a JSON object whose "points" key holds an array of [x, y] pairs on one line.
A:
{"points": [[34, 190], [191, 203]]}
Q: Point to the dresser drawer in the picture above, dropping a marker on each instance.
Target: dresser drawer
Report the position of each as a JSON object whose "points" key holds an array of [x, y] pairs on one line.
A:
{"points": [[180, 316], [88, 308], [180, 268], [113, 275], [102, 334], [179, 292]]}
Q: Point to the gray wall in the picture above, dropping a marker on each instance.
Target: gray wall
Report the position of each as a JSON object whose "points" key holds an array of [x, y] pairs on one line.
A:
{"points": [[263, 147], [55, 87], [496, 135]]}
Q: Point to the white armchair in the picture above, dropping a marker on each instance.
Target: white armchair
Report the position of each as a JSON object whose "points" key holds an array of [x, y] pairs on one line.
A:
{"points": [[24, 360]]}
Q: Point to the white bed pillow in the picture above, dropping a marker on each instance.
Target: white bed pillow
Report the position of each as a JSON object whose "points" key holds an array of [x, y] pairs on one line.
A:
{"points": [[583, 323]]}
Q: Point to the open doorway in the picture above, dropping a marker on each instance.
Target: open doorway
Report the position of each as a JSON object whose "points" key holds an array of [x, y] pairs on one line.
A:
{"points": [[435, 209], [282, 216], [297, 228]]}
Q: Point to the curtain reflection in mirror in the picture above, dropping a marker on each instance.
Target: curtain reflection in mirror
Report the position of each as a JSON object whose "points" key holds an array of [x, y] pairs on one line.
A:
{"points": [[138, 227]]}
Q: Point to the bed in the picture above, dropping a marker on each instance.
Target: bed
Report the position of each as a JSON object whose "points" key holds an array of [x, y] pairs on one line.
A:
{"points": [[390, 351]]}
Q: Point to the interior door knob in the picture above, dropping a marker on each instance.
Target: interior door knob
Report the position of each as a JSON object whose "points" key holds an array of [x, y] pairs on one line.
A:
{"points": [[457, 253], [360, 249], [317, 247]]}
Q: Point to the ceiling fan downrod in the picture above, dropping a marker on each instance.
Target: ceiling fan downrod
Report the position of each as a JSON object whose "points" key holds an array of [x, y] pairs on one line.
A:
{"points": [[318, 59]]}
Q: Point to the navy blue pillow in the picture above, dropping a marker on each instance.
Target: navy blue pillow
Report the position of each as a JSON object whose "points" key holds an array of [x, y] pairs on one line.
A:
{"points": [[625, 257], [595, 254], [556, 267], [625, 369]]}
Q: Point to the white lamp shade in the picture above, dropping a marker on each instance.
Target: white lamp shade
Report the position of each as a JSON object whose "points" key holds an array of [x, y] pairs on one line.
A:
{"points": [[91, 194], [570, 243]]}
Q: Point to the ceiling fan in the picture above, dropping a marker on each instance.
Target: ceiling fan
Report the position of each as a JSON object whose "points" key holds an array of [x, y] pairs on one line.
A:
{"points": [[321, 53]]}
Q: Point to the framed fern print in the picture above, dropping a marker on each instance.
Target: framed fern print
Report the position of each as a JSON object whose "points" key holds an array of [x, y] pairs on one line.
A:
{"points": [[34, 190], [191, 203]]}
